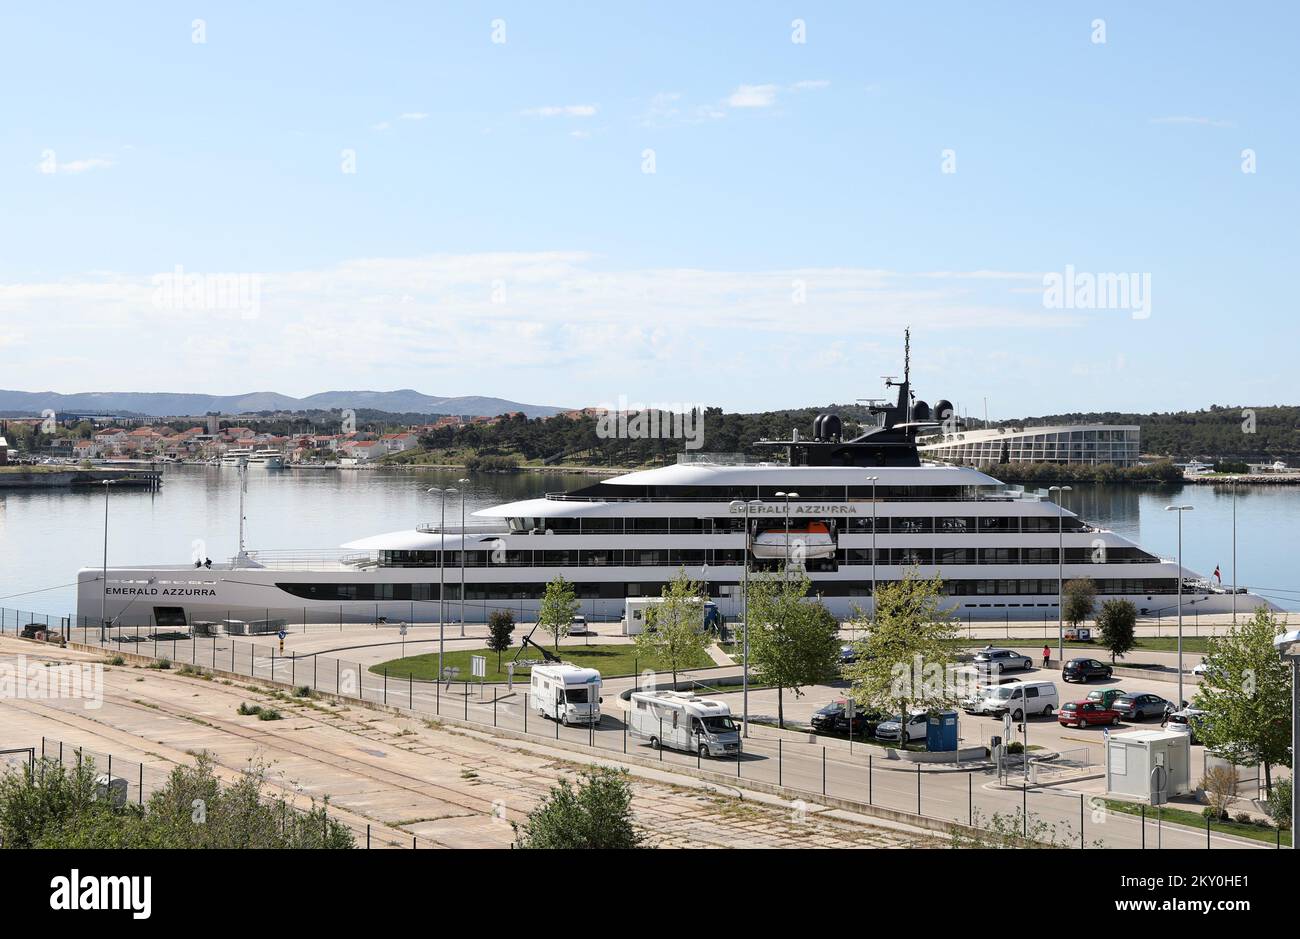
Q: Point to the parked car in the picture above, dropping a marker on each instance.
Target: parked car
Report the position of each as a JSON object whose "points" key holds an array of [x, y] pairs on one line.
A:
{"points": [[1085, 670], [1105, 696], [1087, 713], [1135, 707], [1016, 698], [834, 718], [1185, 721], [1005, 659], [578, 626], [1204, 669], [848, 655], [890, 728]]}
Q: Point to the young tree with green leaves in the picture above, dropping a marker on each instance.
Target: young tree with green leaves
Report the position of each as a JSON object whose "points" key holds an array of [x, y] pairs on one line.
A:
{"points": [[595, 814], [501, 623], [674, 636], [792, 642], [1118, 626], [1079, 600], [904, 660], [1246, 693], [558, 607]]}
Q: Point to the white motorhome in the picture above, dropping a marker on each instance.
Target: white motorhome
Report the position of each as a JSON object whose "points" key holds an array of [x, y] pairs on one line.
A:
{"points": [[566, 693], [683, 721]]}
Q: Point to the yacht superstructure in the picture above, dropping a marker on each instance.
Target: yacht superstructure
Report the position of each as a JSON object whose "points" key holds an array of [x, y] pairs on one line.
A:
{"points": [[852, 513]]}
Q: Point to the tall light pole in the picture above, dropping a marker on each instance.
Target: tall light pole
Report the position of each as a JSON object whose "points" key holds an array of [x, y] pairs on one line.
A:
{"points": [[787, 496], [103, 597], [1234, 552], [1060, 575], [442, 570], [744, 614], [1288, 646], [462, 556], [1180, 509], [873, 480]]}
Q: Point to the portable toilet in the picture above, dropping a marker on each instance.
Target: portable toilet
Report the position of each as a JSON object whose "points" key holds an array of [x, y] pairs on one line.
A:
{"points": [[1150, 765], [941, 732]]}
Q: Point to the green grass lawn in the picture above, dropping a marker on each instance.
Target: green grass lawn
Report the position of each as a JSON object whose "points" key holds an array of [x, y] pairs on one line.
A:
{"points": [[1196, 820], [610, 660]]}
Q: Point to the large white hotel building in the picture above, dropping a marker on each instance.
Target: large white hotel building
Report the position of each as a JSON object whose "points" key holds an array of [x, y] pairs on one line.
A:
{"points": [[1074, 443]]}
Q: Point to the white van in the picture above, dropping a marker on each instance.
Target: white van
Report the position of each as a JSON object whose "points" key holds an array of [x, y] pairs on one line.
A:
{"points": [[682, 721], [1016, 698], [566, 693]]}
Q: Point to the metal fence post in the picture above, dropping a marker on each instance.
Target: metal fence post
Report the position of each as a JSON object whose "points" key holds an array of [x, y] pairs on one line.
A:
{"points": [[410, 689], [526, 716], [385, 686], [970, 800], [780, 762], [1082, 845], [823, 769], [871, 780], [1143, 823], [494, 706], [918, 788], [466, 690], [141, 799]]}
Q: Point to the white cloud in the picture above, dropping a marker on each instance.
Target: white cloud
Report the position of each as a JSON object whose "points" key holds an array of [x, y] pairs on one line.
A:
{"points": [[811, 85], [566, 309], [382, 125], [566, 110], [78, 166], [1203, 121], [753, 96]]}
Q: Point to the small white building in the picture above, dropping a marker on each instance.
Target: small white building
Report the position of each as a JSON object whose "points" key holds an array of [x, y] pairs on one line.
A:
{"points": [[1151, 765]]}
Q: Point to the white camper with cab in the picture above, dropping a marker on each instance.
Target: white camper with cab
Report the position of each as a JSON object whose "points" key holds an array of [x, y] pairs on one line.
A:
{"points": [[683, 721], [566, 693]]}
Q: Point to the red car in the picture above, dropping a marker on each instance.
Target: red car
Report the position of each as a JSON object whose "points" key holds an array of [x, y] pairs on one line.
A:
{"points": [[1083, 713]]}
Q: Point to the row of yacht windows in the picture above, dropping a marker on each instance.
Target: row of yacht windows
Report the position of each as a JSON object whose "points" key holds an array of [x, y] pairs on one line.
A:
{"points": [[421, 593], [898, 525], [661, 557], [769, 493]]}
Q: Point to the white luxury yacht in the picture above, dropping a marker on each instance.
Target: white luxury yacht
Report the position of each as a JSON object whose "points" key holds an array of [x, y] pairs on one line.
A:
{"points": [[859, 512]]}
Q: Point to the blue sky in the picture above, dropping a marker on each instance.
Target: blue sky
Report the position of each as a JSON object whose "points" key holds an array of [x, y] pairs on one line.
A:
{"points": [[501, 234]]}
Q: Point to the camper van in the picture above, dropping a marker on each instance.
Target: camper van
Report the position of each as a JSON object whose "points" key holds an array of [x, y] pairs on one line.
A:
{"points": [[682, 721], [1016, 698], [566, 693]]}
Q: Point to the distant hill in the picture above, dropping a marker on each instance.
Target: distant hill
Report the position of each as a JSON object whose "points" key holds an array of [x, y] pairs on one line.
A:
{"points": [[168, 404]]}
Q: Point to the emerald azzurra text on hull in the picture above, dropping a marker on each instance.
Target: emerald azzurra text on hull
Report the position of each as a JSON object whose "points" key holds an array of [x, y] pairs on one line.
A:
{"points": [[852, 513]]}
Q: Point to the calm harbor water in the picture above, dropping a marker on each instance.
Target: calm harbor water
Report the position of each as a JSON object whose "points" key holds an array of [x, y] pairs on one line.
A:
{"points": [[46, 535]]}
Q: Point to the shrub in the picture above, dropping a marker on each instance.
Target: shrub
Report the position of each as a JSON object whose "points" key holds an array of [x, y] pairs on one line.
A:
{"points": [[1279, 804], [1220, 785], [595, 814], [161, 665], [248, 709], [303, 691], [269, 714]]}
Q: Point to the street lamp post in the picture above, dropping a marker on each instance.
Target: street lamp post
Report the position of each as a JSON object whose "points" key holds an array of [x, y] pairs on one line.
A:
{"points": [[744, 614], [1180, 509], [1234, 551], [103, 597], [1060, 574], [462, 556], [442, 569], [787, 496], [873, 480]]}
